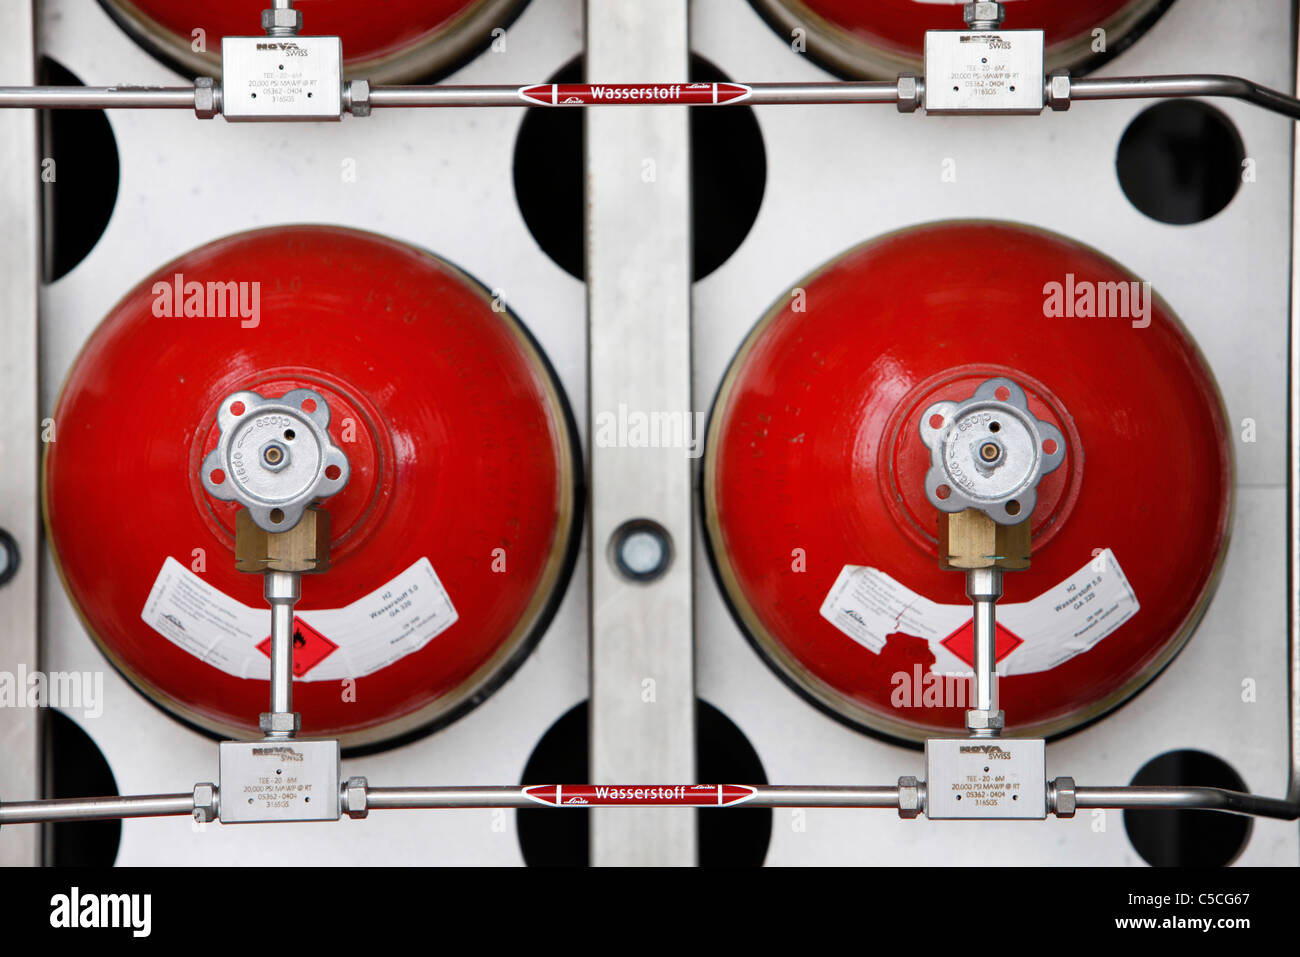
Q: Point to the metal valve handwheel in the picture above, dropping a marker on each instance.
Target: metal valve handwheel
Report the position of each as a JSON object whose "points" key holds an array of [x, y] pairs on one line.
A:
{"points": [[989, 453], [275, 456]]}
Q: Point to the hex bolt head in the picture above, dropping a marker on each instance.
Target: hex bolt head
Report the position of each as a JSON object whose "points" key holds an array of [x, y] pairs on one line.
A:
{"points": [[205, 98], [911, 798], [205, 803], [984, 15], [1066, 800], [354, 798], [279, 722], [282, 23], [1058, 91], [977, 720], [909, 93]]}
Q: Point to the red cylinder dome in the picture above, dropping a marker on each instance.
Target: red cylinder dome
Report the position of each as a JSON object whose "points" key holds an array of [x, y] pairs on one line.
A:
{"points": [[452, 540], [814, 479], [886, 37], [386, 42]]}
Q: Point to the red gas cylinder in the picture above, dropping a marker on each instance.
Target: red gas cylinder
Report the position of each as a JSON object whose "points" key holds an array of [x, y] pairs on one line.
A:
{"points": [[886, 37], [823, 537], [388, 42], [452, 540]]}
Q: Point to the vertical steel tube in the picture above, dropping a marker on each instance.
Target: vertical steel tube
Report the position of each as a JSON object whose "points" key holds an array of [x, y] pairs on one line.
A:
{"points": [[984, 588], [282, 593], [1293, 487], [20, 245]]}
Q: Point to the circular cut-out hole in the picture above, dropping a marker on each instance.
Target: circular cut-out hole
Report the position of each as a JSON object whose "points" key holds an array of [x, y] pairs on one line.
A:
{"points": [[1049, 446], [237, 408], [1180, 162], [78, 769], [10, 556], [995, 426], [332, 472], [217, 476], [309, 405], [1002, 393], [80, 176], [1013, 507], [733, 837], [277, 516], [943, 491], [728, 176], [641, 549], [936, 421], [290, 435], [1187, 838]]}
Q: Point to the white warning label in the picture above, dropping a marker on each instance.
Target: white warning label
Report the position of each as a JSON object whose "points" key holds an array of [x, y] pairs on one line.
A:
{"points": [[1064, 621], [391, 622]]}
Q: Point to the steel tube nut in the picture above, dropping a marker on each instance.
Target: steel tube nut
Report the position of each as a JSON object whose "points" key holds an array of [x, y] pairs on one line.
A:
{"points": [[205, 98], [984, 15], [1058, 91], [359, 97], [1065, 800], [281, 22], [205, 803], [279, 722], [354, 798], [909, 93], [911, 798], [978, 720]]}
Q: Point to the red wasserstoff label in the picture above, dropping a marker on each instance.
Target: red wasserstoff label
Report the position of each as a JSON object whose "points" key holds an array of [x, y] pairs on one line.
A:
{"points": [[648, 795], [629, 94]]}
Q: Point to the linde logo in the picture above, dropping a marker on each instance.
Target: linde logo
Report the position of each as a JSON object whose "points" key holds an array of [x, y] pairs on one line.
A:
{"points": [[633, 429], [130, 911], [70, 690], [1098, 300], [213, 300]]}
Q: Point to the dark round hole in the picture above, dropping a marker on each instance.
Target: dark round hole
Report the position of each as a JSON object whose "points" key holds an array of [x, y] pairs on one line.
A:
{"points": [[641, 550], [1180, 162], [277, 516], [9, 557], [728, 174], [289, 435], [79, 177], [995, 427], [1187, 838], [731, 837], [78, 769]]}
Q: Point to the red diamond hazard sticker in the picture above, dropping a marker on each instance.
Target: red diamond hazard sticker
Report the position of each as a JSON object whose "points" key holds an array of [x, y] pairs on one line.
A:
{"points": [[310, 647], [962, 642]]}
